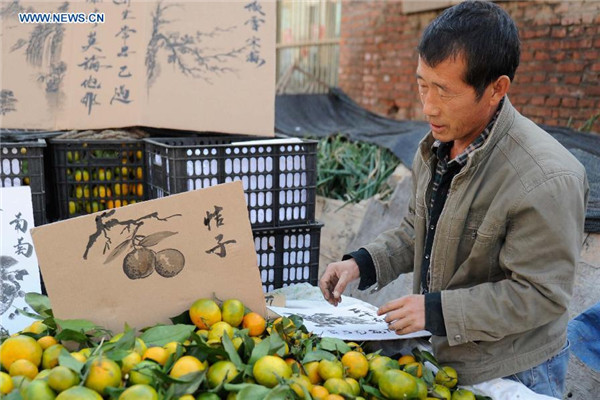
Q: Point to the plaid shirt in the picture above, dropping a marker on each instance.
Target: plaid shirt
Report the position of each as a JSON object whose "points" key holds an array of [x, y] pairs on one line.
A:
{"points": [[443, 152]]}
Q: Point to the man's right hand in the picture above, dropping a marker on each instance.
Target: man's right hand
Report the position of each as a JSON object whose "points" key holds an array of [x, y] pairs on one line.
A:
{"points": [[336, 278]]}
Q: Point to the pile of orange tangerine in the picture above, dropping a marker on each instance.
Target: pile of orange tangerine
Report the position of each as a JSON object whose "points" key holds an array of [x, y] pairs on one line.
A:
{"points": [[228, 353]]}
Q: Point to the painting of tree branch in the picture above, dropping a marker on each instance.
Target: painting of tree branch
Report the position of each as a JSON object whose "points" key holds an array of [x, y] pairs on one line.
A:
{"points": [[140, 261], [189, 53], [42, 50]]}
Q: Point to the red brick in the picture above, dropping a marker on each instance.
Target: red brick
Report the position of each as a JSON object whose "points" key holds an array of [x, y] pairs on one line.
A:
{"points": [[559, 32], [570, 67], [573, 79], [541, 56], [568, 102], [537, 101], [585, 103], [595, 67], [552, 101]]}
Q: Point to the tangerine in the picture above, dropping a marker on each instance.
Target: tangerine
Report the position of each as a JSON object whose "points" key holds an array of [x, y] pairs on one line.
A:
{"points": [[20, 347], [255, 324], [139, 392], [269, 369], [355, 364], [186, 365], [233, 312], [204, 313], [23, 367], [103, 373]]}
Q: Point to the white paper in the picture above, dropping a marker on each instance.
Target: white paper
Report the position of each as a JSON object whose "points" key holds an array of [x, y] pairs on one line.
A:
{"points": [[355, 321], [19, 265]]}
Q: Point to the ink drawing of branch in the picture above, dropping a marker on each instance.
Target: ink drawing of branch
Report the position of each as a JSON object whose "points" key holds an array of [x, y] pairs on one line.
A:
{"points": [[140, 261], [188, 53]]}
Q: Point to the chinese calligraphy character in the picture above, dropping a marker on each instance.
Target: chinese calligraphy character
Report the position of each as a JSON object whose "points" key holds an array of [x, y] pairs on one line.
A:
{"points": [[220, 246], [89, 100], [20, 223], [124, 51], [91, 42], [253, 42], [121, 2], [121, 94], [125, 14], [255, 22], [254, 57], [124, 73], [216, 215], [254, 7], [93, 63], [91, 83], [125, 31], [23, 248]]}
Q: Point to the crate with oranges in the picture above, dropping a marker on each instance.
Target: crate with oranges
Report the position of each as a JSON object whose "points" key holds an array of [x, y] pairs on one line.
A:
{"points": [[96, 172]]}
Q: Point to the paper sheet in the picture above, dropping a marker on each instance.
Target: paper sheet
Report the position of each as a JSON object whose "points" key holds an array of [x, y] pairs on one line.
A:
{"points": [[347, 321]]}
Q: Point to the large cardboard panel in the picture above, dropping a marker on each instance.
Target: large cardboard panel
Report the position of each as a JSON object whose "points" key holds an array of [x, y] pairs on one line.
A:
{"points": [[196, 65], [96, 266]]}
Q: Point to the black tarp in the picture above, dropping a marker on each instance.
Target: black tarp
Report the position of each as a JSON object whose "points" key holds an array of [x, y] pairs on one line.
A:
{"points": [[322, 115]]}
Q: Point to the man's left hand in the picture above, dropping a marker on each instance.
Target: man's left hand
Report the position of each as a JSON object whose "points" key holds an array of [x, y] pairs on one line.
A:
{"points": [[405, 315]]}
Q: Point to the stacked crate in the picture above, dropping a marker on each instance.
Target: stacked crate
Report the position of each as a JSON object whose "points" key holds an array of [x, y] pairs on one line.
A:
{"points": [[279, 179], [91, 175], [23, 165]]}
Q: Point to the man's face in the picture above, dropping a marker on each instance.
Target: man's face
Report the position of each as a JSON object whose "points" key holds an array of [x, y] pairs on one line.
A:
{"points": [[451, 106]]}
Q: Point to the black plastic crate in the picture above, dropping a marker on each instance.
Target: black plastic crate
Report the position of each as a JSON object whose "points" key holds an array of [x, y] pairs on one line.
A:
{"points": [[23, 165], [287, 255], [95, 175], [279, 175]]}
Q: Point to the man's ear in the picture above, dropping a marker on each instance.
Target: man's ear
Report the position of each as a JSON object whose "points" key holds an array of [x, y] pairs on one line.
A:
{"points": [[499, 89]]}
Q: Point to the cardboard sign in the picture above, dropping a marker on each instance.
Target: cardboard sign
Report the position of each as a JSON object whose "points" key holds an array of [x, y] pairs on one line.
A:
{"points": [[196, 65], [149, 261], [18, 261]]}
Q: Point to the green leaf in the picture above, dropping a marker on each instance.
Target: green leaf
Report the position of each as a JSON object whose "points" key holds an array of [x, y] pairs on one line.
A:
{"points": [[428, 376], [67, 360], [120, 348], [372, 391], [186, 384], [183, 318], [318, 355], [39, 303], [281, 392], [422, 356], [332, 344], [14, 395], [248, 391], [232, 353], [114, 392], [260, 350], [69, 334], [79, 325], [162, 334]]}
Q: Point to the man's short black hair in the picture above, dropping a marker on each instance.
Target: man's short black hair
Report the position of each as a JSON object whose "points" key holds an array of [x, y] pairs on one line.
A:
{"points": [[483, 33]]}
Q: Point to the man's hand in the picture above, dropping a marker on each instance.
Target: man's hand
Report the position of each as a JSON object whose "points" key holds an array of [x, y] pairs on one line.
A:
{"points": [[405, 315], [336, 278]]}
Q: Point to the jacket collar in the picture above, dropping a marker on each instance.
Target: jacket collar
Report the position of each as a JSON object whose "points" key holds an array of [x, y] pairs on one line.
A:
{"points": [[501, 126]]}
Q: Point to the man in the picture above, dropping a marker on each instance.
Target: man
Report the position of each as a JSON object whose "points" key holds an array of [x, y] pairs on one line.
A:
{"points": [[495, 222]]}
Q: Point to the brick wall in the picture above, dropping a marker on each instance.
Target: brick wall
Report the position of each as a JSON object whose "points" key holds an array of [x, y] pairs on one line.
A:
{"points": [[558, 79]]}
